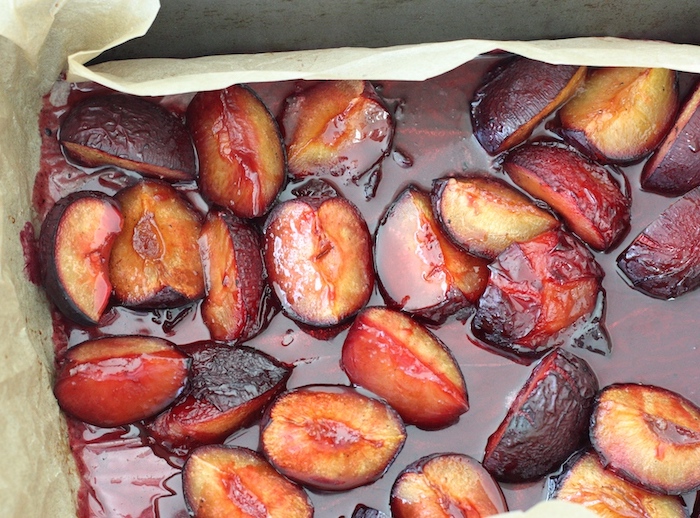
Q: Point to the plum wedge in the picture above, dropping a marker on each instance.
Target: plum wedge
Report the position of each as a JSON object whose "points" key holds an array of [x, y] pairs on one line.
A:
{"points": [[237, 482], [663, 260], [398, 359], [538, 293], [119, 380], [648, 435], [229, 387], [585, 481], [129, 132], [674, 168], [444, 486], [585, 194], [234, 275], [546, 422], [621, 114], [336, 128], [75, 243], [484, 214], [155, 259], [331, 438], [444, 278], [242, 164], [518, 96], [318, 255]]}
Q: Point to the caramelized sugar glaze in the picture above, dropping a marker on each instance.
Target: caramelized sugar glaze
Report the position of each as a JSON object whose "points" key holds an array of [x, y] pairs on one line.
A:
{"points": [[123, 475]]}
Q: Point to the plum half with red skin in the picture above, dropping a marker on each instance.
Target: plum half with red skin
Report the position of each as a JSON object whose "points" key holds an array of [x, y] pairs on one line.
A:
{"points": [[331, 438], [390, 354], [674, 168], [114, 381], [621, 114], [538, 291], [75, 243], [318, 255], [234, 277], [585, 481], [444, 279], [648, 435], [334, 128], [584, 193], [237, 482], [663, 261], [155, 259], [484, 214], [242, 163], [546, 422], [446, 485], [129, 132], [516, 97], [229, 387]]}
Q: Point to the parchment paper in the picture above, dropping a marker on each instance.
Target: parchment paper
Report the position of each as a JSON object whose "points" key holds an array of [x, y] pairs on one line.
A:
{"points": [[41, 38]]}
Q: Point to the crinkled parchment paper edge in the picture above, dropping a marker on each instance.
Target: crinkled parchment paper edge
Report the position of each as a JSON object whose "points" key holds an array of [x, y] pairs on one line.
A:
{"points": [[39, 39]]}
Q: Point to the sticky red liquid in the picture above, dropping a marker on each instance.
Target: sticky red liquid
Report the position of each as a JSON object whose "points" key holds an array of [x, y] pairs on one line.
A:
{"points": [[653, 341]]}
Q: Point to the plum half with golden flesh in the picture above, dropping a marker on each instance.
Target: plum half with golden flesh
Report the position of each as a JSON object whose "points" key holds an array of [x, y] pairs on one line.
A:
{"points": [[318, 255], [237, 482], [485, 214], [585, 481], [674, 168], [336, 128], [229, 387], [446, 485], [444, 279], [331, 438], [648, 435], [242, 164], [390, 354], [234, 275], [75, 243], [113, 381], [546, 422], [516, 97], [155, 259], [663, 260], [538, 292], [129, 132], [584, 193], [621, 114]]}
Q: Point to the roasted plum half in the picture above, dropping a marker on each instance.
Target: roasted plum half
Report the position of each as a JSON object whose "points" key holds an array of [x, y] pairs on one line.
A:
{"points": [[390, 354], [75, 243], [114, 381], [318, 255], [621, 114], [229, 387], [663, 260], [674, 169], [648, 435], [242, 164], [444, 279], [234, 277], [516, 97], [237, 482], [446, 485], [584, 193], [546, 422], [129, 132], [484, 214], [155, 259], [585, 481], [336, 128], [331, 438], [540, 293]]}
